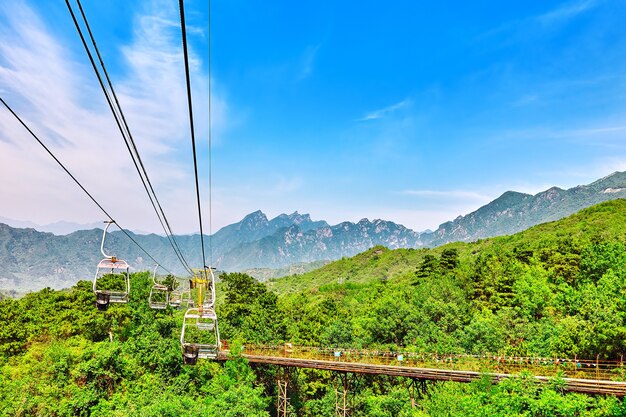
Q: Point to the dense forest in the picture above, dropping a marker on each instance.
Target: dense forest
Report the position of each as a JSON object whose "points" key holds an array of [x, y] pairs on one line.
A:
{"points": [[557, 289]]}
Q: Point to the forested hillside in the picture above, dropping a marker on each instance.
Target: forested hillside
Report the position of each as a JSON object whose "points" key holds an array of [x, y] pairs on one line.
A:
{"points": [[555, 290]]}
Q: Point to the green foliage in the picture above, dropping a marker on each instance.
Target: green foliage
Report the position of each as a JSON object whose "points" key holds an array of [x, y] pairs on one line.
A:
{"points": [[557, 289], [513, 397], [59, 356], [250, 311]]}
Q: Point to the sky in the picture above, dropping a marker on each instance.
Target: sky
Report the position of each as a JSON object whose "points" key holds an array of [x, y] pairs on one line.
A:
{"points": [[410, 111]]}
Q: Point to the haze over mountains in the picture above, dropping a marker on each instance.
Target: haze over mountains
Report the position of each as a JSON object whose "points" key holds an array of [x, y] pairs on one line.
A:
{"points": [[32, 260]]}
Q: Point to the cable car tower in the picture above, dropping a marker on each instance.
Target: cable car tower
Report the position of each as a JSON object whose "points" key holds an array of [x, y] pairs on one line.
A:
{"points": [[200, 337], [111, 284]]}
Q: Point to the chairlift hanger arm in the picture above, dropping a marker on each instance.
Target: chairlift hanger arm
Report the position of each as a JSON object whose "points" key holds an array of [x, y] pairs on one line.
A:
{"points": [[104, 234]]}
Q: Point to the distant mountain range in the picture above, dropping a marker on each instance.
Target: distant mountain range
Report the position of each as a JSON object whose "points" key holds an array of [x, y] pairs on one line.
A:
{"points": [[30, 259], [58, 228], [513, 212]]}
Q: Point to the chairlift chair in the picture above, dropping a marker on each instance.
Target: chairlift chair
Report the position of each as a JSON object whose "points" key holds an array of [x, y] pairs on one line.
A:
{"points": [[179, 297], [202, 319], [186, 298], [205, 323], [205, 284], [159, 293], [111, 284], [176, 298]]}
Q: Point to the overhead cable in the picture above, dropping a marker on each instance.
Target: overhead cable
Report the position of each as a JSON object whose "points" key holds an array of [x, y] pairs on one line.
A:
{"points": [[124, 129], [210, 144], [78, 182], [181, 4]]}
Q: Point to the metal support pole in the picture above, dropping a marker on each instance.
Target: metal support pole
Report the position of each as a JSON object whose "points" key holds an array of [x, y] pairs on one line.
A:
{"points": [[417, 388], [342, 408], [282, 406]]}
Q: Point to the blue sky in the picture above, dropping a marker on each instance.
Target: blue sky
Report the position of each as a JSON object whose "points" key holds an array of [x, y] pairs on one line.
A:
{"points": [[409, 111]]}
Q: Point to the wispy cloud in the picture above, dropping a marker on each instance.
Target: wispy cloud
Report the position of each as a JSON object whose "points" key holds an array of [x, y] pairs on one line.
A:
{"points": [[285, 186], [451, 194], [307, 62], [533, 25], [566, 11], [381, 113], [593, 131], [50, 84], [526, 100]]}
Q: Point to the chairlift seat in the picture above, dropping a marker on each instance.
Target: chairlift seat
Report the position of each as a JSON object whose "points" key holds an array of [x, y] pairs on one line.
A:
{"points": [[102, 301], [176, 298], [117, 296], [208, 313], [207, 351], [205, 321], [163, 301], [190, 353], [110, 266]]}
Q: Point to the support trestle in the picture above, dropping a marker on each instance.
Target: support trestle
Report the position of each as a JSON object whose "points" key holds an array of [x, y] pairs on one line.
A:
{"points": [[282, 380], [417, 390], [341, 383]]}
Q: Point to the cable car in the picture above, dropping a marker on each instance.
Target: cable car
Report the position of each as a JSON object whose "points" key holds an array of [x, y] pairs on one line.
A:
{"points": [[200, 338], [159, 293], [111, 284], [176, 298], [179, 297]]}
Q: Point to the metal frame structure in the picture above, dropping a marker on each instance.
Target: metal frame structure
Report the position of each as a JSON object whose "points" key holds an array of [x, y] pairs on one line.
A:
{"points": [[175, 299], [159, 293], [342, 394], [178, 297], [110, 265], [283, 378], [202, 318]]}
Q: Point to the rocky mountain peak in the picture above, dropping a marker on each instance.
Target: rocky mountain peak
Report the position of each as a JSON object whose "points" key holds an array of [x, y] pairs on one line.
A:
{"points": [[298, 218], [253, 221], [513, 212], [614, 180]]}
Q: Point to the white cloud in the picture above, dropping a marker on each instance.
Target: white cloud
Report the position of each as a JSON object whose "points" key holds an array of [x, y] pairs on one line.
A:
{"points": [[380, 113], [49, 84]]}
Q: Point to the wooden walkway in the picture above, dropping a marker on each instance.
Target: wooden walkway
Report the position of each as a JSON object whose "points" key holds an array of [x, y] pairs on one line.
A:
{"points": [[587, 384]]}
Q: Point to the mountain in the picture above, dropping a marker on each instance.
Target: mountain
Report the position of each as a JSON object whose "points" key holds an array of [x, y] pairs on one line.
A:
{"points": [[32, 260], [256, 226], [295, 244], [548, 242], [58, 228], [513, 212]]}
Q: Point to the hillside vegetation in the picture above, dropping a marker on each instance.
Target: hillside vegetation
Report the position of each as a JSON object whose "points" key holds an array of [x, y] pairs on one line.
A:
{"points": [[557, 289]]}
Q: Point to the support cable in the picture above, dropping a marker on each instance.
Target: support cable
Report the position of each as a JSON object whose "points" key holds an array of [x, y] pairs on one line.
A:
{"points": [[166, 227], [122, 125], [78, 182], [210, 147], [181, 4]]}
